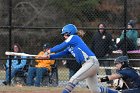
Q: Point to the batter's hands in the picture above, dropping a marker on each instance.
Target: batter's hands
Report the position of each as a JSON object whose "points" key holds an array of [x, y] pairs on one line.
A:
{"points": [[48, 51], [43, 56]]}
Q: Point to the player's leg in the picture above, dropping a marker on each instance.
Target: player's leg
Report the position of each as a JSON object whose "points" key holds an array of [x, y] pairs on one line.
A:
{"points": [[88, 69], [92, 83], [72, 82], [69, 87]]}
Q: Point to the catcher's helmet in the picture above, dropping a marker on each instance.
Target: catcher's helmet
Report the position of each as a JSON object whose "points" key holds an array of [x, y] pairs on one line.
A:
{"points": [[69, 29], [123, 60], [47, 45]]}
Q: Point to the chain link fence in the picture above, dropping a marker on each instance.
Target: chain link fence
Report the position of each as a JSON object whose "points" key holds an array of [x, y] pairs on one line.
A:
{"points": [[32, 23]]}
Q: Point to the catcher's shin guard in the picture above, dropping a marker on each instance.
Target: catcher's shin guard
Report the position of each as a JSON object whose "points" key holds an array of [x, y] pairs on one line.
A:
{"points": [[107, 90], [69, 88]]}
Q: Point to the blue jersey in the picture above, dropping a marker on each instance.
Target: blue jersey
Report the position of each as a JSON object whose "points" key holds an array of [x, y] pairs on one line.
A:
{"points": [[74, 45], [130, 76]]}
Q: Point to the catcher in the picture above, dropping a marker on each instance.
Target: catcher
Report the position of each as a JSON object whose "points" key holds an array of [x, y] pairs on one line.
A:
{"points": [[129, 76]]}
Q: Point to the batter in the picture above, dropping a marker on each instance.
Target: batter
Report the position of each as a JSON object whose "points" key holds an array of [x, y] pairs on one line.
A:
{"points": [[74, 45]]}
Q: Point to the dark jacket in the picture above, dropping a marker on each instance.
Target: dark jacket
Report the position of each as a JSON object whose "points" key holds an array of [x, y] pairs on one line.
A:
{"points": [[101, 43], [72, 64]]}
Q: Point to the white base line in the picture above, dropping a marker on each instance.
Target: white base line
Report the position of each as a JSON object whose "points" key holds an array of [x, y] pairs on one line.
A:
{"points": [[115, 68]]}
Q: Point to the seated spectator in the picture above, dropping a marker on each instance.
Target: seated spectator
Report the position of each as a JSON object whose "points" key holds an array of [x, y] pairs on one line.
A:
{"points": [[131, 38], [42, 67], [17, 63]]}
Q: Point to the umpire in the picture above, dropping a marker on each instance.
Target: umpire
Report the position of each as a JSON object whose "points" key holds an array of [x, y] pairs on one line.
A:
{"points": [[129, 75]]}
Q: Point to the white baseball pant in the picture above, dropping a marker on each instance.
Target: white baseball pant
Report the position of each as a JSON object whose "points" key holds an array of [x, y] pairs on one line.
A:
{"points": [[89, 72]]}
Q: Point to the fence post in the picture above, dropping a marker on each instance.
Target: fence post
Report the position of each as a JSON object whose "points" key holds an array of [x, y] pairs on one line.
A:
{"points": [[125, 26], [10, 36]]}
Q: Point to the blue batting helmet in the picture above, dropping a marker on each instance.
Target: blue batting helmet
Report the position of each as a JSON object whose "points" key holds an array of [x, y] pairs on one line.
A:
{"points": [[69, 29]]}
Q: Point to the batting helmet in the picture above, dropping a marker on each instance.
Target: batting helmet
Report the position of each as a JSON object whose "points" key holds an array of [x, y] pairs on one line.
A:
{"points": [[47, 45], [123, 60], [69, 29]]}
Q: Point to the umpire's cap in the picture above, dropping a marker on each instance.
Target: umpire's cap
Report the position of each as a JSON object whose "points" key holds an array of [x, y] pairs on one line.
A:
{"points": [[122, 60], [47, 45]]}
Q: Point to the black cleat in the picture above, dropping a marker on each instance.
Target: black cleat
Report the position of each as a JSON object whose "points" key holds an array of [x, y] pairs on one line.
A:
{"points": [[4, 82]]}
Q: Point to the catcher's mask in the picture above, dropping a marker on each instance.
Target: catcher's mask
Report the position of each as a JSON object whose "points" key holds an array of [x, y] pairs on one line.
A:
{"points": [[123, 60]]}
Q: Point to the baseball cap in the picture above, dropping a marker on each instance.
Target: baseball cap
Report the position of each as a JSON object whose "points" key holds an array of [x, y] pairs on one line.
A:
{"points": [[47, 45]]}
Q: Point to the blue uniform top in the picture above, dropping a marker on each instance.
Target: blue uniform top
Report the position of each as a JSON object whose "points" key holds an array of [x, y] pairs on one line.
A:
{"points": [[130, 76], [74, 45]]}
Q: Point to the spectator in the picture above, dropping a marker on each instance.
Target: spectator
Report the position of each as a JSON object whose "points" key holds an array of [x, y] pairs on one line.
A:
{"points": [[129, 75], [42, 67], [17, 63], [131, 38], [102, 41], [81, 33]]}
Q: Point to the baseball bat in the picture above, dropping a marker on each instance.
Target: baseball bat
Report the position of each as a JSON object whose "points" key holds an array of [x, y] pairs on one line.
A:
{"points": [[19, 54]]}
